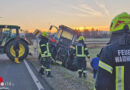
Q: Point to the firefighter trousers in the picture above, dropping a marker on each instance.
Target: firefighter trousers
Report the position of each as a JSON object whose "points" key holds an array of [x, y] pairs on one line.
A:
{"points": [[17, 52], [82, 66], [45, 65]]}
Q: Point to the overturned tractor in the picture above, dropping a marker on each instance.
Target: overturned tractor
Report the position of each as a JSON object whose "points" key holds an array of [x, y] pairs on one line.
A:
{"points": [[61, 52], [60, 43], [8, 34]]}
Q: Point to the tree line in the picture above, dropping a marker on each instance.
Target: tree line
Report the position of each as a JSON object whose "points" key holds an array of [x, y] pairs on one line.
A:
{"points": [[93, 33]]}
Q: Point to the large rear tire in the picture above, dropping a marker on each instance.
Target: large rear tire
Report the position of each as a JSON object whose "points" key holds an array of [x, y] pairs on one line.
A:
{"points": [[23, 51], [70, 63]]}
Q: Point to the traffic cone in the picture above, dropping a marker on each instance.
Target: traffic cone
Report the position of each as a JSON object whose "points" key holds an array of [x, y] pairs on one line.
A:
{"points": [[16, 60]]}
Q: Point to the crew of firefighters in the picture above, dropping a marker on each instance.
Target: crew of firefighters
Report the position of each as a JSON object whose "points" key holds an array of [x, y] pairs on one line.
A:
{"points": [[110, 67]]}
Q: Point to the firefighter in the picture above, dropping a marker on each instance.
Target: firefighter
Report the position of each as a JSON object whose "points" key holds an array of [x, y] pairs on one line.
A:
{"points": [[16, 49], [114, 64], [81, 51], [45, 55]]}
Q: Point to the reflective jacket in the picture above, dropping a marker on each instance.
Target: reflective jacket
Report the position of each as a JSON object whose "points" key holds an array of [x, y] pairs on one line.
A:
{"points": [[44, 47], [81, 50], [114, 66]]}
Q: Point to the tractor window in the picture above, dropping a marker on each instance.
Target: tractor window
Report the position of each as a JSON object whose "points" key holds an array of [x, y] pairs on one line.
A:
{"points": [[6, 31], [9, 32], [0, 32], [0, 35], [67, 35], [59, 33], [13, 31]]}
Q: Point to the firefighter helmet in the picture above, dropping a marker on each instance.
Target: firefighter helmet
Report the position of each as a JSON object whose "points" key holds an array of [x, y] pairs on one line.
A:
{"points": [[81, 38], [44, 34], [120, 21]]}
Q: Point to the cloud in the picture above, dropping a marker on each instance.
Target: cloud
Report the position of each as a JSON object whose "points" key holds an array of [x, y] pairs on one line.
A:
{"points": [[86, 10], [102, 6]]}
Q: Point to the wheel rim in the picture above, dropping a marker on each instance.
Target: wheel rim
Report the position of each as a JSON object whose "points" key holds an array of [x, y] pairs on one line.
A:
{"points": [[21, 50]]}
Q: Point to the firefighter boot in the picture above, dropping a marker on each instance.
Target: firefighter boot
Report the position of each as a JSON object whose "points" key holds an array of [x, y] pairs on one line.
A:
{"points": [[16, 60], [41, 71], [85, 75], [49, 74], [80, 74]]}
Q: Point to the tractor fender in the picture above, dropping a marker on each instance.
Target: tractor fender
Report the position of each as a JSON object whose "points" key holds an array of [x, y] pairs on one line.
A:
{"points": [[7, 44], [24, 41]]}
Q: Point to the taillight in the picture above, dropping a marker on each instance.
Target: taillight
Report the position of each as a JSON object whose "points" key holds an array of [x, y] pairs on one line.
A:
{"points": [[53, 40]]}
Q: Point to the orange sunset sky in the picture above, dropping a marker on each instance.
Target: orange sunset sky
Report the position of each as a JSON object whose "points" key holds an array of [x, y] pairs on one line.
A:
{"points": [[40, 14]]}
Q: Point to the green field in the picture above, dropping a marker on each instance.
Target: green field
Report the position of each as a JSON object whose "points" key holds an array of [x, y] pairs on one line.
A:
{"points": [[98, 39], [94, 51]]}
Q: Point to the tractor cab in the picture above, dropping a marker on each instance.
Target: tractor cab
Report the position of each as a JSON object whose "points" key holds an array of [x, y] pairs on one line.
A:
{"points": [[64, 36], [8, 35], [62, 53], [8, 32]]}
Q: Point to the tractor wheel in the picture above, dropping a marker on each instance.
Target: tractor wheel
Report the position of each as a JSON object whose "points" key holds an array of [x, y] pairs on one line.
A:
{"points": [[23, 50], [70, 63]]}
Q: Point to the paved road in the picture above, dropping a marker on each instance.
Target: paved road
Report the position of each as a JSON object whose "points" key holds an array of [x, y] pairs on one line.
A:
{"points": [[19, 76]]}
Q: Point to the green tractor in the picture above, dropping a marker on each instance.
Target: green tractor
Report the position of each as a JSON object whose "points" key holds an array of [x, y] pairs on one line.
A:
{"points": [[8, 34]]}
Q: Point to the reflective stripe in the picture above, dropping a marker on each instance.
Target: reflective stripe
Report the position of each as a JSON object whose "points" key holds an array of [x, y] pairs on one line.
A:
{"points": [[47, 52], [122, 78], [85, 71], [82, 50], [82, 54], [43, 67], [105, 66], [43, 45], [74, 48], [86, 48], [80, 70], [43, 55], [48, 70], [58, 62], [88, 55], [119, 77]]}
